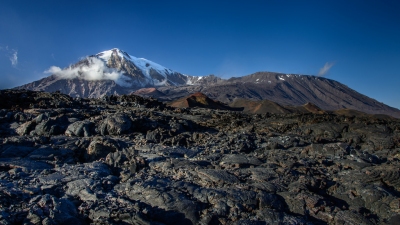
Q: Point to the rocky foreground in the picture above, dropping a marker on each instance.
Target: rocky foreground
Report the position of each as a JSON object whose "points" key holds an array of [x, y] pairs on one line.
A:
{"points": [[130, 160]]}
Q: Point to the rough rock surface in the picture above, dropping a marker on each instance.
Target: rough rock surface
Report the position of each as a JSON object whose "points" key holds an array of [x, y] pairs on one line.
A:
{"points": [[130, 160]]}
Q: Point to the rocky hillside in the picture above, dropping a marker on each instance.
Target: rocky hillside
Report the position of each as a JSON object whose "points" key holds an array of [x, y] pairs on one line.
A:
{"points": [[131, 160]]}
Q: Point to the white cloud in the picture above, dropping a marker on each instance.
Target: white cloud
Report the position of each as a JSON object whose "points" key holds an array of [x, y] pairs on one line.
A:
{"points": [[53, 70], [96, 70], [14, 58], [11, 54], [324, 70]]}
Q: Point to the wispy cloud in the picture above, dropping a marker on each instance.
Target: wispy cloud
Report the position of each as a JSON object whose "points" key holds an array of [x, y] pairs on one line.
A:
{"points": [[14, 58], [324, 70], [12, 54], [96, 70]]}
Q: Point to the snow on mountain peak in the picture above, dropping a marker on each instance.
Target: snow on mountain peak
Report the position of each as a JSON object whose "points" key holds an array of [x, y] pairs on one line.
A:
{"points": [[146, 66], [105, 55]]}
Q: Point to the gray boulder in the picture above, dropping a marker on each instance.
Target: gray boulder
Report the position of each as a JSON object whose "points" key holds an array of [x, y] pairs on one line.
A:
{"points": [[26, 128], [80, 129], [100, 147], [239, 160], [115, 124]]}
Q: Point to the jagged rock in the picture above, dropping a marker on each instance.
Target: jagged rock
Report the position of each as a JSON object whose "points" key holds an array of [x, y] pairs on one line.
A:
{"points": [[239, 161], [179, 152], [80, 129], [25, 164], [15, 151], [217, 176], [46, 128], [179, 209], [125, 164], [353, 218], [153, 136], [81, 189], [115, 124], [334, 150], [26, 128], [100, 147], [58, 211], [272, 217]]}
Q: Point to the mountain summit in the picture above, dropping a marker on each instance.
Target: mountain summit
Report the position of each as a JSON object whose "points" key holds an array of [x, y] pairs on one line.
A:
{"points": [[140, 71]]}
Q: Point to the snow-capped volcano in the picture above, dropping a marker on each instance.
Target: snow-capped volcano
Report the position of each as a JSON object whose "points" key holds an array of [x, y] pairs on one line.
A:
{"points": [[109, 72], [150, 73]]}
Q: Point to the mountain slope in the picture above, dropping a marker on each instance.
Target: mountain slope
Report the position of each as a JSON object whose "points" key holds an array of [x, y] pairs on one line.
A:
{"points": [[266, 106], [286, 89]]}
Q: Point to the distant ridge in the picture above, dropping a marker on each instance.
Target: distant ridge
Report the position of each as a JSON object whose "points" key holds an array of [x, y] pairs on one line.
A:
{"points": [[115, 72], [286, 89]]}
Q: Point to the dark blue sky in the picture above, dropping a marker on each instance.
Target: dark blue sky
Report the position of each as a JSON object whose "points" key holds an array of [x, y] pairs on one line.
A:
{"points": [[361, 39]]}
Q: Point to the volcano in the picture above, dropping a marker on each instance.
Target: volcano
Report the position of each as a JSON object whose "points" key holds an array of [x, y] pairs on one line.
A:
{"points": [[115, 72]]}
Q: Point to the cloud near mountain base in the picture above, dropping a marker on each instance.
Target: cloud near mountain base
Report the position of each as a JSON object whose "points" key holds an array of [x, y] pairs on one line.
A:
{"points": [[97, 70]]}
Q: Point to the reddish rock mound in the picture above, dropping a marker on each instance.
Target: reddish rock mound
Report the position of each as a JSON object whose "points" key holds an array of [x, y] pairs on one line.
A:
{"points": [[313, 108], [200, 100], [149, 92]]}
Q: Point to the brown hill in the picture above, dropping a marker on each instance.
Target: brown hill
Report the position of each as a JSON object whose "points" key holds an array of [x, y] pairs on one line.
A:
{"points": [[149, 92], [313, 108], [200, 100]]}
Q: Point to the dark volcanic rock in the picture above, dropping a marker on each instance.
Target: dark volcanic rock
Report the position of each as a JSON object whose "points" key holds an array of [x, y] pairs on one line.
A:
{"points": [[101, 147], [115, 124], [129, 160], [80, 129]]}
